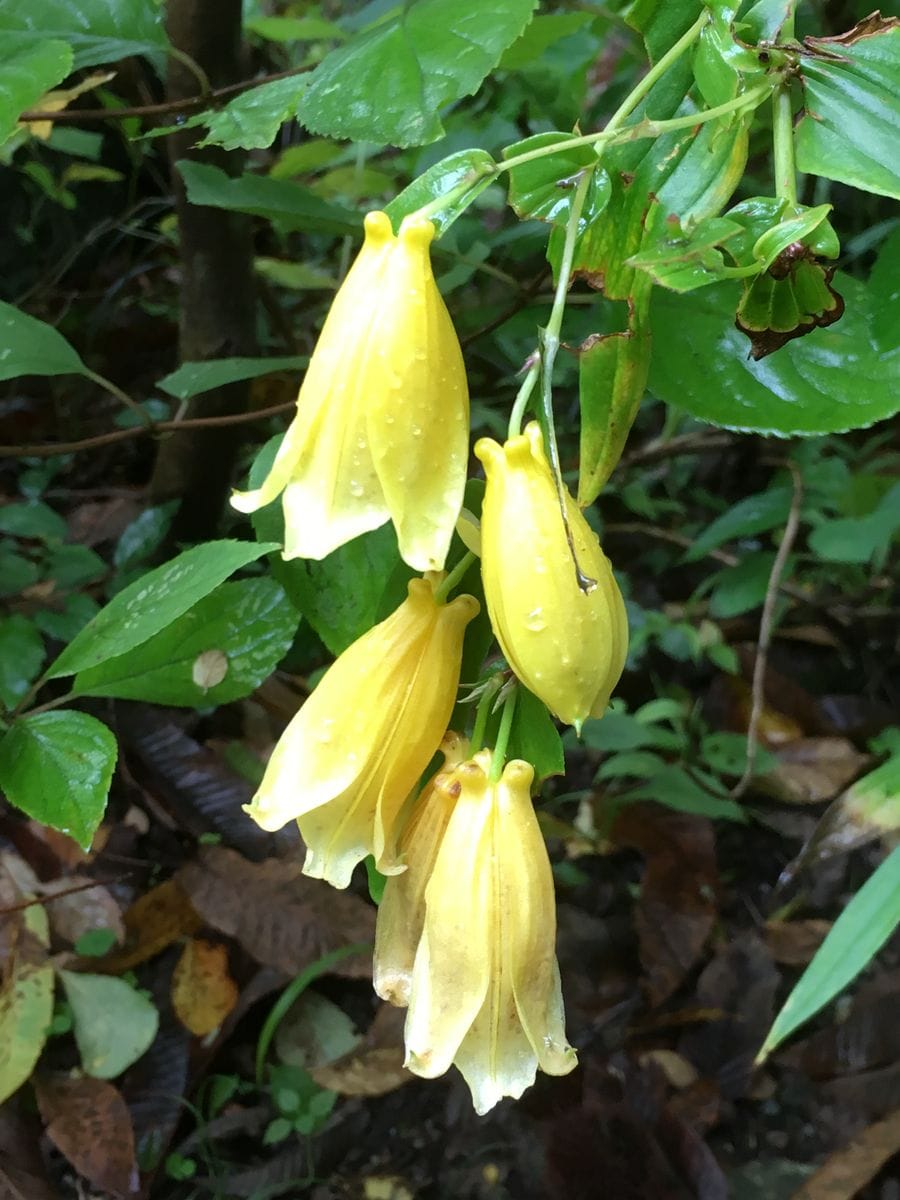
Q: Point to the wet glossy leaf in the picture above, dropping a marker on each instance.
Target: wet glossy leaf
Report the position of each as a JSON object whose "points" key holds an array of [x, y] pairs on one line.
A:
{"points": [[279, 200], [851, 84], [97, 31], [855, 938], [154, 601], [57, 767], [389, 83], [535, 738], [194, 378], [29, 69], [113, 1023], [250, 624], [450, 173], [26, 1003], [21, 655], [543, 189]]}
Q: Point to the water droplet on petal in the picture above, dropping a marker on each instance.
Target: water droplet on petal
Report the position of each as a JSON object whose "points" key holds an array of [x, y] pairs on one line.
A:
{"points": [[535, 621]]}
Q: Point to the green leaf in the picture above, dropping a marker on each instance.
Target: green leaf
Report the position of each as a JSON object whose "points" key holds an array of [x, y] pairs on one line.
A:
{"points": [[194, 378], [859, 539], [294, 29], [32, 520], [28, 69], [57, 766], [545, 30], [662, 22], [675, 788], [97, 31], [21, 655], [63, 623], [829, 381], [218, 651], [763, 21], [113, 1024], [16, 572], [251, 120], [753, 514], [451, 172], [884, 294], [387, 84], [535, 738], [741, 588], [30, 347], [288, 204], [26, 1006], [73, 566], [154, 601], [542, 189], [851, 90], [144, 534], [852, 942]]}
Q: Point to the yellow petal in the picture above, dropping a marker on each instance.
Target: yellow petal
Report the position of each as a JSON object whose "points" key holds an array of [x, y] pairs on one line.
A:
{"points": [[401, 914], [567, 646], [419, 406]]}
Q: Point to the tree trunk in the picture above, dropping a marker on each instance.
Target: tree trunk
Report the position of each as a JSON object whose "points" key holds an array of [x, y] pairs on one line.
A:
{"points": [[217, 287]]}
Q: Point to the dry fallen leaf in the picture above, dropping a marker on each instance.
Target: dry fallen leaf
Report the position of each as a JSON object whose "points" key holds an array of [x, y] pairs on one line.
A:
{"points": [[849, 1169], [278, 915], [155, 920], [203, 992], [88, 1122], [812, 769], [373, 1068], [795, 942]]}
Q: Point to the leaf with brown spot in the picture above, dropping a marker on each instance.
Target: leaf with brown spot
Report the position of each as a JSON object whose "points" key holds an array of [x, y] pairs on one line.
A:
{"points": [[849, 1169], [678, 901], [277, 914], [155, 920], [88, 1122], [203, 992]]}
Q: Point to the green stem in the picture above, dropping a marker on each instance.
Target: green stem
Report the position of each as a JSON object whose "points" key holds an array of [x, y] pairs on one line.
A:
{"points": [[482, 716], [523, 395], [498, 757], [51, 704], [427, 211], [656, 72], [114, 390], [442, 591], [294, 989], [783, 145]]}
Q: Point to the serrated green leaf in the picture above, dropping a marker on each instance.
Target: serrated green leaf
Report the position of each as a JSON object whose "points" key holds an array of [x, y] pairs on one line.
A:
{"points": [[154, 601], [57, 766], [251, 120], [97, 31], [26, 1006], [73, 566], [543, 188], [21, 655], [829, 381], [388, 83], [544, 31], [288, 204], [852, 942], [194, 378], [31, 347], [28, 69], [851, 94], [113, 1024], [450, 173], [218, 651]]}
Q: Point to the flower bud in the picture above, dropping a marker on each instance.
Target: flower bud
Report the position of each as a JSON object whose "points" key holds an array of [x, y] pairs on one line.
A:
{"points": [[567, 645], [355, 750], [382, 423], [485, 990]]}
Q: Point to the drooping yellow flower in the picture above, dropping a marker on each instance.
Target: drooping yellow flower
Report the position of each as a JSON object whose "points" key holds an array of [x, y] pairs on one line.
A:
{"points": [[401, 913], [485, 990], [382, 423], [566, 645], [355, 750]]}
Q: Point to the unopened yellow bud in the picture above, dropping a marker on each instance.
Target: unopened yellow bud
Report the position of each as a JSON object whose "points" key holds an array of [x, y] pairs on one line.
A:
{"points": [[485, 990], [567, 645], [355, 750], [382, 423]]}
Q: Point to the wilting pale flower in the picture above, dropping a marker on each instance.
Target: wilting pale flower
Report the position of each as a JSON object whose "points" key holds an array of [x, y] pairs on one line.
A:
{"points": [[567, 645], [355, 750], [401, 913], [485, 990], [382, 424]]}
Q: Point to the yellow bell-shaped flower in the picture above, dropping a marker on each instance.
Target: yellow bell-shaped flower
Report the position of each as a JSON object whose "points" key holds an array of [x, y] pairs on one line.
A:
{"points": [[382, 423], [401, 913], [355, 750], [485, 990], [566, 645]]}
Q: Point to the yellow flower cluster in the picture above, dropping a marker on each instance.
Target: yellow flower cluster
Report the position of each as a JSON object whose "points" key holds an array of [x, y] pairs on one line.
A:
{"points": [[466, 930]]}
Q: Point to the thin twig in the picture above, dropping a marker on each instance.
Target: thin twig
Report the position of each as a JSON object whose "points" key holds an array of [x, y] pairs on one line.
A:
{"points": [[49, 897], [765, 630], [203, 100], [48, 449], [686, 443]]}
